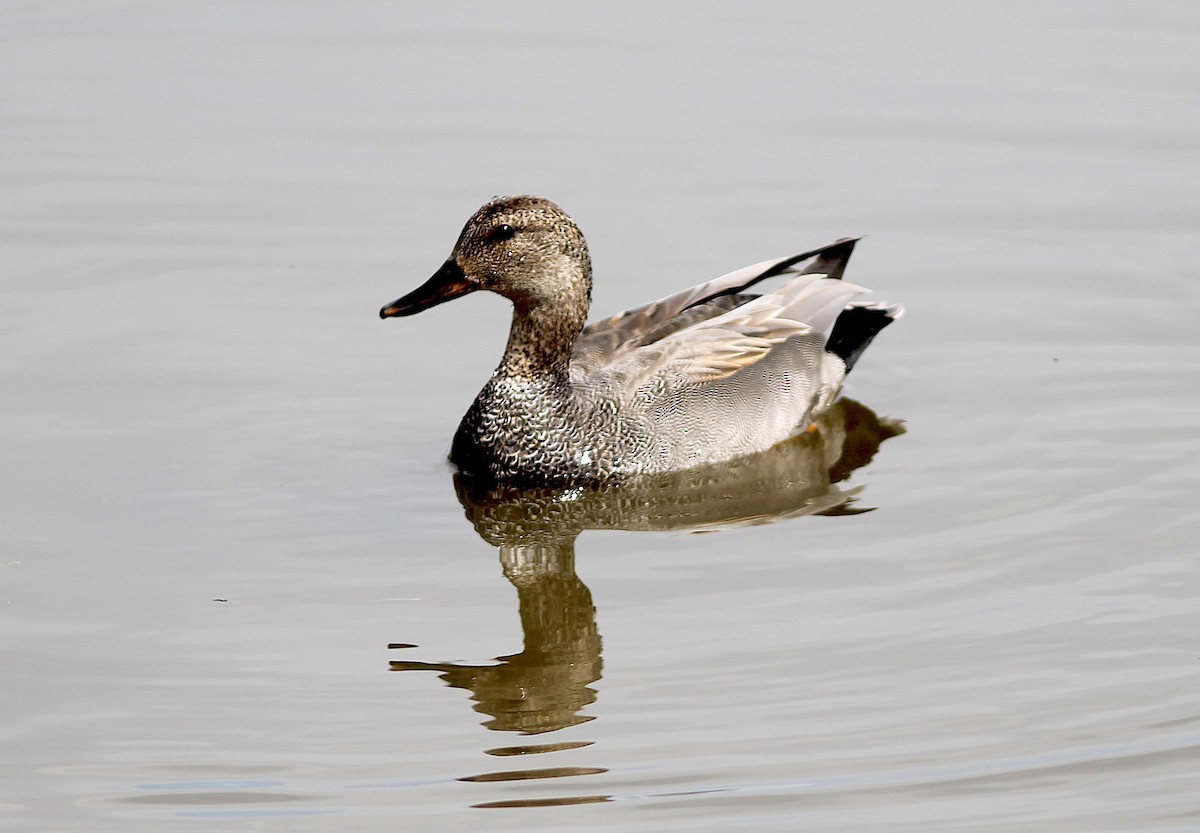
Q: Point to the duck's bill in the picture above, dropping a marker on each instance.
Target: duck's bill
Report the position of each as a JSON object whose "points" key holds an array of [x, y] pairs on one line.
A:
{"points": [[447, 283]]}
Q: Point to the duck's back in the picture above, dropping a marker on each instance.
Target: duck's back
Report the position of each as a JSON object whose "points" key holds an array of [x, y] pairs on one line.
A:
{"points": [[713, 372]]}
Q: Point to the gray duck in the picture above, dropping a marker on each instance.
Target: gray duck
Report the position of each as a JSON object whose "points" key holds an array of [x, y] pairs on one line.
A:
{"points": [[707, 374]]}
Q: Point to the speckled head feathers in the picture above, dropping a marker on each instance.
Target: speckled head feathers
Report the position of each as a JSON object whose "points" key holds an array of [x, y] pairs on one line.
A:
{"points": [[527, 249]]}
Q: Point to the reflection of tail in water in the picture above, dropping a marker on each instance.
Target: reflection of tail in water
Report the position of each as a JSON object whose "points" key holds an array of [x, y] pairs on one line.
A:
{"points": [[861, 431], [544, 687]]}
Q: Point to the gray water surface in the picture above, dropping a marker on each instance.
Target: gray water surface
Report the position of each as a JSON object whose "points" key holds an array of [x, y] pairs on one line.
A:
{"points": [[225, 495]]}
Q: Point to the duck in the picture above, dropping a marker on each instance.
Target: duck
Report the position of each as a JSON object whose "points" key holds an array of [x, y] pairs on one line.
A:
{"points": [[707, 374]]}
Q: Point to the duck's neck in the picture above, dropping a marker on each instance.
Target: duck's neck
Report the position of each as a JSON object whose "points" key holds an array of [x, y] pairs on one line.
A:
{"points": [[541, 340]]}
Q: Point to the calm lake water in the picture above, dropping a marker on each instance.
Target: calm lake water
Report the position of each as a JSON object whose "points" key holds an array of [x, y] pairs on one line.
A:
{"points": [[225, 500]]}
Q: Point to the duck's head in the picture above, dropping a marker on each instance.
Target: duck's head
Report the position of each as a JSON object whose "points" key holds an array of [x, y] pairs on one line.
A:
{"points": [[524, 248]]}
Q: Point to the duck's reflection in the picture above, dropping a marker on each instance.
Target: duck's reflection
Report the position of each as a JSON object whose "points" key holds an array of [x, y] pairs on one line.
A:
{"points": [[546, 686]]}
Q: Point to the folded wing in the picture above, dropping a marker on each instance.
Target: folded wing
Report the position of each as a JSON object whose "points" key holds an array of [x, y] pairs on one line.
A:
{"points": [[605, 342]]}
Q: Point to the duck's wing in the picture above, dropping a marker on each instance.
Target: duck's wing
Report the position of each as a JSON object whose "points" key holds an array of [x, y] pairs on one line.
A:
{"points": [[719, 346], [603, 343]]}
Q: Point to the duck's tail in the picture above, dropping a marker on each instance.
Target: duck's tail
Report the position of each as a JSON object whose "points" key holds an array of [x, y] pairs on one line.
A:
{"points": [[856, 326]]}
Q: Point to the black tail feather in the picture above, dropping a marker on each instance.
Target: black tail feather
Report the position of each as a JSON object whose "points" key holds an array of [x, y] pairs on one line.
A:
{"points": [[855, 328], [833, 259], [829, 260]]}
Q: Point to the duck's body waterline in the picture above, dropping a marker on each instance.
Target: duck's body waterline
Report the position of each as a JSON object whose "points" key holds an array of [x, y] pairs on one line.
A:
{"points": [[705, 375]]}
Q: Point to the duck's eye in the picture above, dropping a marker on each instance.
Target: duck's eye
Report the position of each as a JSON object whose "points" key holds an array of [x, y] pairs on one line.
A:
{"points": [[504, 232]]}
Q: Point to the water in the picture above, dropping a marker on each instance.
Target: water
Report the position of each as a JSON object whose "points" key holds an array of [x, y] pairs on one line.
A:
{"points": [[225, 494]]}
